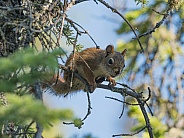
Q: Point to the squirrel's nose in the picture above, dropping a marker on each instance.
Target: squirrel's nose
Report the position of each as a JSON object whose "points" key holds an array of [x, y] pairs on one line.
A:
{"points": [[117, 71]]}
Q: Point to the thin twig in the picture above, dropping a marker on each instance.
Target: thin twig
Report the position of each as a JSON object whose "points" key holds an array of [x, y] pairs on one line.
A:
{"points": [[145, 101], [149, 95], [122, 111], [73, 63], [125, 85], [38, 95], [119, 90], [27, 128], [76, 75], [122, 91], [85, 31], [63, 20], [149, 109], [158, 12], [132, 134], [132, 28], [139, 99], [87, 114], [156, 26], [120, 101], [89, 107]]}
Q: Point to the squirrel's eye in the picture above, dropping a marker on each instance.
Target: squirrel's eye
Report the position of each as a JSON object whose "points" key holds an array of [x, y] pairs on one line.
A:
{"points": [[111, 61]]}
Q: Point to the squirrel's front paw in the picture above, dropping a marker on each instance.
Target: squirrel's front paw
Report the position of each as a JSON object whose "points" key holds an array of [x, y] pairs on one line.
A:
{"points": [[112, 82]]}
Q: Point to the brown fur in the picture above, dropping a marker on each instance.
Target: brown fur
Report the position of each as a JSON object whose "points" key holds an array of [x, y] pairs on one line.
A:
{"points": [[91, 64]]}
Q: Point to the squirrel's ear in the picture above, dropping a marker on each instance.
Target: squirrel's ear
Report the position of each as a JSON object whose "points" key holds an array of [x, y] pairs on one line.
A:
{"points": [[109, 50], [124, 52]]}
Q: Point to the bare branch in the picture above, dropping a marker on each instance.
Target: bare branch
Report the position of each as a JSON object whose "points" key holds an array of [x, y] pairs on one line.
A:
{"points": [[38, 133], [89, 107], [76, 75], [27, 128], [156, 26], [117, 12], [139, 99], [158, 12], [79, 32], [87, 114], [38, 95], [88, 88], [130, 134], [124, 102], [63, 20], [122, 91], [120, 101], [124, 97]]}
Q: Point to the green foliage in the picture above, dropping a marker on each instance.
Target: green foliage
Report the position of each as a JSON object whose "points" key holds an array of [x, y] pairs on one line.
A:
{"points": [[18, 73], [78, 123], [133, 18], [68, 32], [26, 67], [160, 66], [23, 109], [158, 127]]}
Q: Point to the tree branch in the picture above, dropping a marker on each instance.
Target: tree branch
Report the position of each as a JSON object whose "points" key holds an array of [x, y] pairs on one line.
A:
{"points": [[117, 12], [79, 32], [138, 97], [156, 26], [130, 134], [38, 133], [122, 91], [38, 95]]}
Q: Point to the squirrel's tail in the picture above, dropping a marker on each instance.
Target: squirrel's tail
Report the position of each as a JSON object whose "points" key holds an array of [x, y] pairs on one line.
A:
{"points": [[60, 87]]}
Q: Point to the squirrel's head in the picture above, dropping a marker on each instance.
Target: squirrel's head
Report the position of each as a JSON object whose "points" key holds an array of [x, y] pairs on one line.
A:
{"points": [[114, 61]]}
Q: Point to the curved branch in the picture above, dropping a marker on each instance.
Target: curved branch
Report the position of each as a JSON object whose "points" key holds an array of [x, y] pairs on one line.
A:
{"points": [[130, 134], [122, 91], [139, 99], [79, 32], [156, 26], [116, 11]]}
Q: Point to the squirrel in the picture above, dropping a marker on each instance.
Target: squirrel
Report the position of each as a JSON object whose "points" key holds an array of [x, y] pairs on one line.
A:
{"points": [[94, 65]]}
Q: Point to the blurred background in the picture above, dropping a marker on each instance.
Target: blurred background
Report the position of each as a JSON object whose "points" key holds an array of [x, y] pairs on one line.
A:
{"points": [[30, 41]]}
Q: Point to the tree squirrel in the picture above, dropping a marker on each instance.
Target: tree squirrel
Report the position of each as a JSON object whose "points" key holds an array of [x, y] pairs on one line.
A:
{"points": [[93, 65]]}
